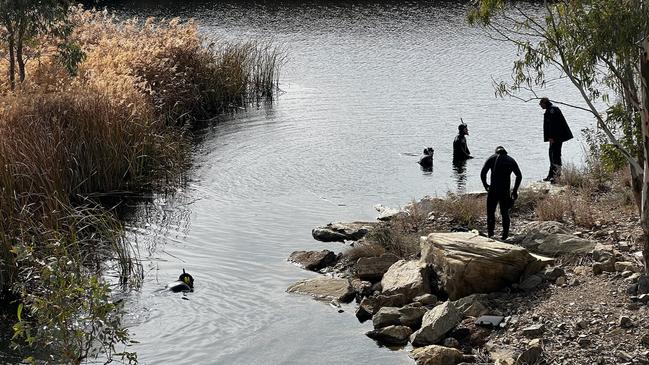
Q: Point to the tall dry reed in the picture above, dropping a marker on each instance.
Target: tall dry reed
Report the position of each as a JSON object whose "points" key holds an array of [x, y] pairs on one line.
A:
{"points": [[111, 128]]}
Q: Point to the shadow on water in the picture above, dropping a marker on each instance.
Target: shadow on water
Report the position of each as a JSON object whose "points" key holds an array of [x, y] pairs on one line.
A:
{"points": [[459, 175]]}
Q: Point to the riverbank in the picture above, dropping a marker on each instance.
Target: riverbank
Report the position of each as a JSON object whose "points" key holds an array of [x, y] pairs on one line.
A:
{"points": [[119, 124], [579, 301]]}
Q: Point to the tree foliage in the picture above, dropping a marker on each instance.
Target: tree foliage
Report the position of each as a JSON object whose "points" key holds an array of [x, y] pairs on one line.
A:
{"points": [[24, 22], [602, 48]]}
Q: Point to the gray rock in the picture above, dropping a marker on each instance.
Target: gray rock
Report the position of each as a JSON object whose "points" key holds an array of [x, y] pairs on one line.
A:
{"points": [[342, 231], [533, 331], [323, 287], [466, 263], [451, 342], [313, 260], [426, 299], [602, 252], [553, 273], [409, 278], [405, 316], [625, 322], [391, 335], [532, 354], [561, 280], [643, 285], [436, 355], [552, 238], [531, 282], [373, 268], [435, 324], [473, 305], [386, 316], [361, 287], [370, 305], [626, 266]]}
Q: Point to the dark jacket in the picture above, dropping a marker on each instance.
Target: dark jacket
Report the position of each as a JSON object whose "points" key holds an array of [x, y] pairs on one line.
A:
{"points": [[555, 125], [460, 149], [501, 166]]}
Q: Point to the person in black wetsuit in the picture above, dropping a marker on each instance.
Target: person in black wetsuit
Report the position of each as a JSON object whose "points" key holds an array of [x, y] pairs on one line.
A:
{"points": [[555, 131], [460, 149], [501, 166]]}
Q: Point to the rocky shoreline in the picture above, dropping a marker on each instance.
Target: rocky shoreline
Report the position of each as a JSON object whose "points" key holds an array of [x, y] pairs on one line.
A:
{"points": [[555, 293]]}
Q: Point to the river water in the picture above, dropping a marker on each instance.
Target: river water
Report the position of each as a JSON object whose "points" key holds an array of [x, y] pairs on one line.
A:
{"points": [[367, 85]]}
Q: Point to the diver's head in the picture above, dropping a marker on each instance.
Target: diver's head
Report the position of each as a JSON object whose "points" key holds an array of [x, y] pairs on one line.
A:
{"points": [[463, 129], [187, 279], [429, 151], [501, 150], [545, 102]]}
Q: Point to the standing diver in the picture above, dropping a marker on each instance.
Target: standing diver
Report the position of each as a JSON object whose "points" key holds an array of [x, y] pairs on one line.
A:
{"points": [[555, 132], [460, 149], [501, 166]]}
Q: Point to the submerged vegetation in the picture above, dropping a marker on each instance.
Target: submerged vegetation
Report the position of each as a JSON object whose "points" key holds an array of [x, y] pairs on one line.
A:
{"points": [[109, 120]]}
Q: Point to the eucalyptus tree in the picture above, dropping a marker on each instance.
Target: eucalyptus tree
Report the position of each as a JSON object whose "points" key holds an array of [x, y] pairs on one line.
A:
{"points": [[602, 48], [23, 21]]}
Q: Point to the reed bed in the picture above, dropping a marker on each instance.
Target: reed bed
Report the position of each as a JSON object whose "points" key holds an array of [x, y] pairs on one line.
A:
{"points": [[116, 125]]}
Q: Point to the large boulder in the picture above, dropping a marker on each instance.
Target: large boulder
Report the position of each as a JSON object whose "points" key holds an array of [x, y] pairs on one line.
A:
{"points": [[373, 268], [370, 305], [552, 238], [466, 263], [391, 335], [436, 355], [313, 260], [342, 232], [409, 278], [323, 287], [436, 323]]}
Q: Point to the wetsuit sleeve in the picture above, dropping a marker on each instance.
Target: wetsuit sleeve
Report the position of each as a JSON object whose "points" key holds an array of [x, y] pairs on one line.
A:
{"points": [[519, 177], [485, 169]]}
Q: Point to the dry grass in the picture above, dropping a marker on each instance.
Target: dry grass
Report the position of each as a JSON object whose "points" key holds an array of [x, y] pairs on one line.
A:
{"points": [[464, 210], [393, 239], [364, 249], [527, 201], [111, 128], [552, 208]]}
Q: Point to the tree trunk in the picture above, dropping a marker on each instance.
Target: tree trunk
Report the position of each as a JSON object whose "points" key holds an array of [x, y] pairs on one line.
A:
{"points": [[12, 61], [637, 177], [644, 118], [20, 60], [19, 51]]}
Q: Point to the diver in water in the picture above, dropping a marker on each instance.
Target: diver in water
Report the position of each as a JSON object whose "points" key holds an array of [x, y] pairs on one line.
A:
{"points": [[460, 148], [185, 283], [501, 166], [426, 160]]}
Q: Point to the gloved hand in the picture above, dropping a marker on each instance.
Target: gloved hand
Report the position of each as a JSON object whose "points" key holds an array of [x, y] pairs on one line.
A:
{"points": [[514, 195], [486, 187]]}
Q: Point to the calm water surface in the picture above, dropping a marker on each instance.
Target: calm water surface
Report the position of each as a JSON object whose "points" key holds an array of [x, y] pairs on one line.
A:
{"points": [[366, 86]]}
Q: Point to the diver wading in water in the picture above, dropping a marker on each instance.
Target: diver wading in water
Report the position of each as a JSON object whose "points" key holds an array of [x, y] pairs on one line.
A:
{"points": [[460, 149], [498, 192]]}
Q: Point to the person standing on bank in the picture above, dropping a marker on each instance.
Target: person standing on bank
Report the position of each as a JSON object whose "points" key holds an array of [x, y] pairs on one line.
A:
{"points": [[555, 131], [498, 192], [460, 149]]}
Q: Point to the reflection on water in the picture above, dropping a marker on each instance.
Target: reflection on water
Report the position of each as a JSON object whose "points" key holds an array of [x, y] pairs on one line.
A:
{"points": [[459, 174]]}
